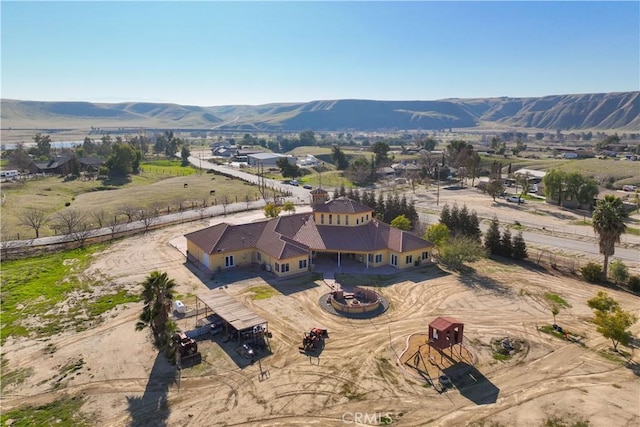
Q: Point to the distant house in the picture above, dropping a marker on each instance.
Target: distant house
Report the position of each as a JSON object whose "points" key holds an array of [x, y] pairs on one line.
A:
{"points": [[338, 229], [267, 159], [62, 165]]}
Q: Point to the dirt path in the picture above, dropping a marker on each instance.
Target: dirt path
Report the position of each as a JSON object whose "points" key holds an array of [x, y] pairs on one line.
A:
{"points": [[358, 371]]}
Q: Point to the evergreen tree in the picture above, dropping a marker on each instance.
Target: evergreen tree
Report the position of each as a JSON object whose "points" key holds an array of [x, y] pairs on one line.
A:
{"points": [[445, 216], [505, 244], [474, 227], [519, 247], [336, 193], [343, 191], [455, 225], [492, 237], [380, 207]]}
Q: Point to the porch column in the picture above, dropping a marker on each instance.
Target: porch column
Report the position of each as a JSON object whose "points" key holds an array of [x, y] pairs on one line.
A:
{"points": [[338, 259], [367, 255]]}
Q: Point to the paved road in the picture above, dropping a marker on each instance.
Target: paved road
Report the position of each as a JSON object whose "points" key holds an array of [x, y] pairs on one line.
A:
{"points": [[580, 240], [576, 244]]}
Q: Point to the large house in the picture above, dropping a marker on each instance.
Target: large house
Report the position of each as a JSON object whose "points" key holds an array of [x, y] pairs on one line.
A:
{"points": [[290, 244]]}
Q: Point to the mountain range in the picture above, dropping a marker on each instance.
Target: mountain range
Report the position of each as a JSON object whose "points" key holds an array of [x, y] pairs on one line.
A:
{"points": [[602, 111]]}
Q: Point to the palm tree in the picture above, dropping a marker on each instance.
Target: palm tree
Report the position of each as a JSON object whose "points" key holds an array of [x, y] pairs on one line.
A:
{"points": [[608, 223], [157, 295]]}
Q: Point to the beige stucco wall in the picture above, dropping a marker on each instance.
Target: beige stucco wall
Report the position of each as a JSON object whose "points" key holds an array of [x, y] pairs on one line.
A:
{"points": [[353, 219]]}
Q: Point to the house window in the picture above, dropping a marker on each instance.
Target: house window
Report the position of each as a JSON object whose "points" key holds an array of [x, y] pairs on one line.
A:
{"points": [[409, 259], [367, 217], [228, 261], [370, 257], [338, 219], [330, 219], [284, 268], [378, 258], [321, 218], [277, 267], [425, 255], [346, 220], [302, 264], [259, 256], [357, 221], [394, 260]]}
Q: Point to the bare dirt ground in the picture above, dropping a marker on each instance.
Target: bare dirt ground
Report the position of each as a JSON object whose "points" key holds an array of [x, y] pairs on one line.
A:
{"points": [[125, 382]]}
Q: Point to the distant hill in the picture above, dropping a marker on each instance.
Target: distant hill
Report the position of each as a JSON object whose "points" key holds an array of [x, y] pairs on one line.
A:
{"points": [[565, 112]]}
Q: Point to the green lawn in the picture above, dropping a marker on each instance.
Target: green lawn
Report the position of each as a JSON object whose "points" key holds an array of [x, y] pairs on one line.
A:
{"points": [[32, 287], [160, 184], [64, 412]]}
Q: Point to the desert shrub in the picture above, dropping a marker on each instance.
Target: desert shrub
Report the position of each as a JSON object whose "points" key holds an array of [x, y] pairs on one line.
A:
{"points": [[67, 204], [618, 271], [634, 283], [592, 272]]}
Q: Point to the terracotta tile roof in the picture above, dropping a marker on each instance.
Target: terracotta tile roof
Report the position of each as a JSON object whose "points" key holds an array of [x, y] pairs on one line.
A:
{"points": [[227, 237], [443, 323], [343, 205], [294, 235]]}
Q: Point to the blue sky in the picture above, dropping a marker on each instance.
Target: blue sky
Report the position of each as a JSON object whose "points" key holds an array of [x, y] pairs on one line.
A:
{"points": [[219, 53]]}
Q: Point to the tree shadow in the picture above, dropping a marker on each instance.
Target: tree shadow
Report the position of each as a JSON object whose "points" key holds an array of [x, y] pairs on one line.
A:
{"points": [[152, 408], [472, 279], [117, 181], [472, 384]]}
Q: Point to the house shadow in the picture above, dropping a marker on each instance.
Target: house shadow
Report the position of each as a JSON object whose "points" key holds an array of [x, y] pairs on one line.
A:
{"points": [[472, 279], [152, 408], [224, 278], [242, 353], [289, 286], [472, 384]]}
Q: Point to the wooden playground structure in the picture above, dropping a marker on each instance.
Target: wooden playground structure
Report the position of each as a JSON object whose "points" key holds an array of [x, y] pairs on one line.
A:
{"points": [[431, 354]]}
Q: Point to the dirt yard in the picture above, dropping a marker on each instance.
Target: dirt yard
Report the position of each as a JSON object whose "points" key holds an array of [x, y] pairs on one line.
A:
{"points": [[359, 373]]}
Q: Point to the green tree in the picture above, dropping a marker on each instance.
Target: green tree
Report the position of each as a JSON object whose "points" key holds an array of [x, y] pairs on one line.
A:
{"points": [[429, 144], [608, 223], [619, 271], [339, 158], [519, 247], [43, 145], [615, 326], [495, 188], [360, 171], [288, 206], [555, 309], [271, 210], [124, 160], [438, 234], [185, 153], [506, 247], [587, 191], [603, 302], [553, 185], [157, 295], [287, 169], [307, 138], [460, 250], [381, 151], [492, 237], [611, 321], [401, 222]]}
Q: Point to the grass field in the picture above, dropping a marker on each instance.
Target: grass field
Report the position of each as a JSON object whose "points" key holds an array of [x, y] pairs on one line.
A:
{"points": [[160, 184], [32, 287]]}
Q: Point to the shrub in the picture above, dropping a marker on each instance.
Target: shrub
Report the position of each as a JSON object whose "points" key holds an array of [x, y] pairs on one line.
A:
{"points": [[618, 271], [634, 283], [67, 204], [592, 272]]}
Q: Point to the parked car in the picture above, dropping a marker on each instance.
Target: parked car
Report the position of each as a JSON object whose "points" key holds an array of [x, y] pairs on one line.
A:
{"points": [[307, 187], [515, 199], [294, 182]]}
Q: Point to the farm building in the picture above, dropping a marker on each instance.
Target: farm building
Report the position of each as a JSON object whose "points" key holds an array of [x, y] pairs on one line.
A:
{"points": [[289, 245]]}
